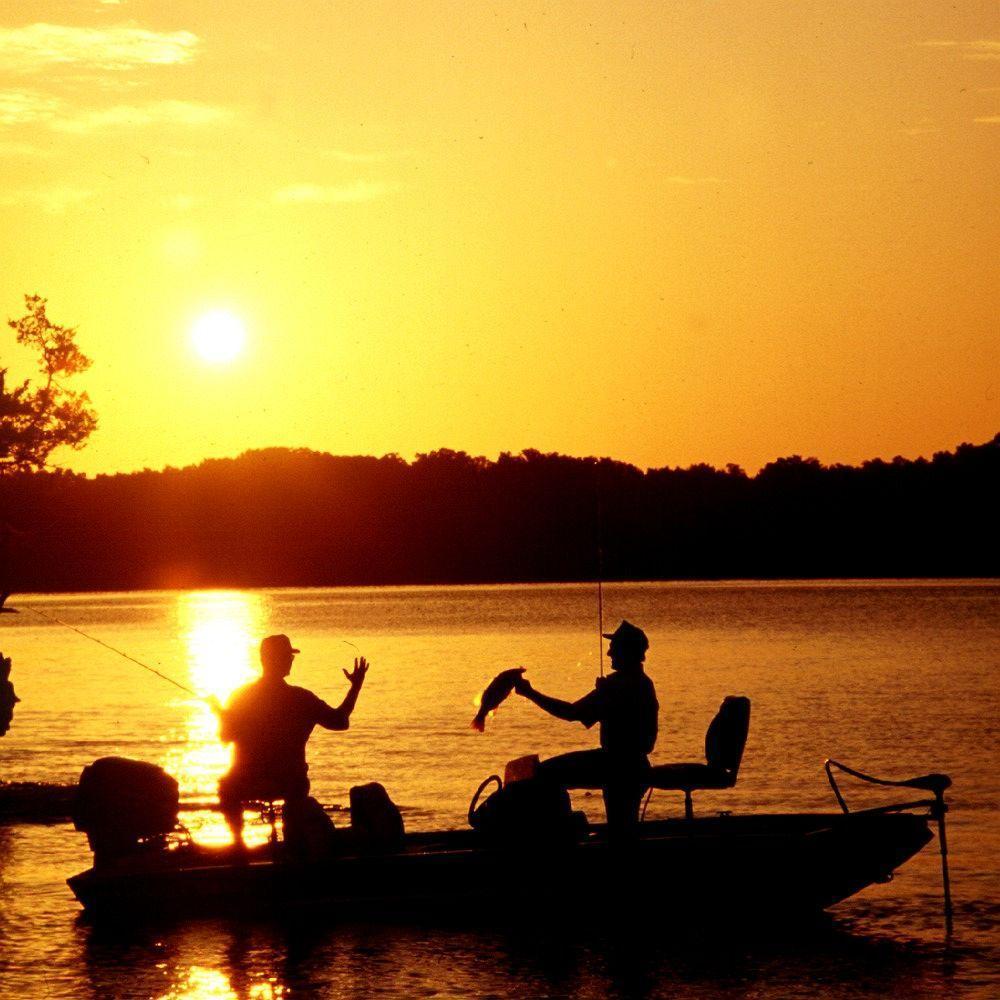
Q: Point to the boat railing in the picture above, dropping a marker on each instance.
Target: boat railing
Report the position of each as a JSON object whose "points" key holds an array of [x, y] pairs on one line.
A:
{"points": [[936, 784]]}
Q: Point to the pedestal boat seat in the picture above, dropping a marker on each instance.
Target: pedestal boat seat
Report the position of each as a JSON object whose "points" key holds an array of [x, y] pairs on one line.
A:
{"points": [[724, 743]]}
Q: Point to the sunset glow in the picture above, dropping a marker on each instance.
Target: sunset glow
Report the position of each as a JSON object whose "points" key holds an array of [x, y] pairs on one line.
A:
{"points": [[628, 369], [221, 631], [218, 337], [668, 233]]}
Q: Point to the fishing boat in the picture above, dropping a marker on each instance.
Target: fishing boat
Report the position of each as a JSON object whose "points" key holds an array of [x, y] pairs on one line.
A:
{"points": [[731, 867]]}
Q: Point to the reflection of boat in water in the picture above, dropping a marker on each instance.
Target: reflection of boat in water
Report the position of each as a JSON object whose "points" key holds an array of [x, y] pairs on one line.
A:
{"points": [[731, 867]]}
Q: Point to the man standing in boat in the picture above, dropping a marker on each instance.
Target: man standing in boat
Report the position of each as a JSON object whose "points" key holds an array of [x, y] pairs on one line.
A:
{"points": [[269, 723], [625, 705]]}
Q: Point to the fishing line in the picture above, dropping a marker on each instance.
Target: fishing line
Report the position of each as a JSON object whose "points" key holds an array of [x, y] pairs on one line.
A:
{"points": [[131, 659], [145, 666]]}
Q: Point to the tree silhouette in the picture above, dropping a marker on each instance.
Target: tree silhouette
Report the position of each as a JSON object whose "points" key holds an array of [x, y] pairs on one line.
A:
{"points": [[34, 421], [279, 517]]}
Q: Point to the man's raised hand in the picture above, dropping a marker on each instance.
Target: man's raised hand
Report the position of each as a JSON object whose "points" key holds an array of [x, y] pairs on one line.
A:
{"points": [[356, 677]]}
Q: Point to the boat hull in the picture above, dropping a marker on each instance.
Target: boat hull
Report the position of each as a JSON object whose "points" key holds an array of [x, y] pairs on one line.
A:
{"points": [[732, 866]]}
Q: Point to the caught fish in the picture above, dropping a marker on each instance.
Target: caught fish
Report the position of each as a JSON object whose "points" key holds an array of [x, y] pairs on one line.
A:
{"points": [[496, 692]]}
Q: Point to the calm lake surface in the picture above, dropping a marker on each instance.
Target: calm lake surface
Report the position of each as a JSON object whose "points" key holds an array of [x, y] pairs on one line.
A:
{"points": [[895, 678]]}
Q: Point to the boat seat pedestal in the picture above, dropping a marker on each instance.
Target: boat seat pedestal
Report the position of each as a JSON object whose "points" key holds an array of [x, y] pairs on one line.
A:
{"points": [[724, 744], [688, 778], [269, 810]]}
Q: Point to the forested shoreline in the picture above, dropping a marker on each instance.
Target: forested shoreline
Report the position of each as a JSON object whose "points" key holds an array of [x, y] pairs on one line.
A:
{"points": [[281, 517]]}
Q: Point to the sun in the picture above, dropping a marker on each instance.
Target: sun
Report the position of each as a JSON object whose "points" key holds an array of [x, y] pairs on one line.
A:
{"points": [[218, 337]]}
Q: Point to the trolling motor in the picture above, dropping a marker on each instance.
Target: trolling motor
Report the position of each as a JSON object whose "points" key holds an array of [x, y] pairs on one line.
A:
{"points": [[937, 807]]}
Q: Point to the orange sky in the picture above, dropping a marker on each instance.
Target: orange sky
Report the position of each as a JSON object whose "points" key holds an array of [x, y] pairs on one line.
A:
{"points": [[666, 232]]}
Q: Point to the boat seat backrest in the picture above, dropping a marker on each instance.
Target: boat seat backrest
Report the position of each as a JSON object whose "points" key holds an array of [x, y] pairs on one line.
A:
{"points": [[727, 734]]}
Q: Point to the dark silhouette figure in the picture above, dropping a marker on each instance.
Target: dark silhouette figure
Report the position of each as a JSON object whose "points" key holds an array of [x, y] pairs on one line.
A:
{"points": [[625, 705], [7, 697], [269, 722]]}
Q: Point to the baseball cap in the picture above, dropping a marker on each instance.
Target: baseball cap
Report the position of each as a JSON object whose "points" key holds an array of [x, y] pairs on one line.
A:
{"points": [[629, 634], [277, 643]]}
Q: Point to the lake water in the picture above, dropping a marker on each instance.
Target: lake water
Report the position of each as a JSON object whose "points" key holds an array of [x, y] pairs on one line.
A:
{"points": [[896, 678]]}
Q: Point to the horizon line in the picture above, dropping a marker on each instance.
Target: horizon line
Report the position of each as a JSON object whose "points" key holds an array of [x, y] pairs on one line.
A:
{"points": [[417, 455]]}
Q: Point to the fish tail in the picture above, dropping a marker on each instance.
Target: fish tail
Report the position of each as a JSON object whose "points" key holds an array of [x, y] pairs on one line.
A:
{"points": [[479, 724]]}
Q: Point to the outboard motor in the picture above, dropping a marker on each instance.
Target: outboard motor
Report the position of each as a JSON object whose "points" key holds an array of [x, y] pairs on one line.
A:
{"points": [[122, 804]]}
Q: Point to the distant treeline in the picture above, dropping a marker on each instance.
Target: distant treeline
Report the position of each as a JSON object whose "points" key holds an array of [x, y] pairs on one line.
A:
{"points": [[294, 517]]}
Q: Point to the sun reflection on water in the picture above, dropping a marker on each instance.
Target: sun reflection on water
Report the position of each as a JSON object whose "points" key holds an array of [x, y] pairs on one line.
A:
{"points": [[201, 983], [221, 631]]}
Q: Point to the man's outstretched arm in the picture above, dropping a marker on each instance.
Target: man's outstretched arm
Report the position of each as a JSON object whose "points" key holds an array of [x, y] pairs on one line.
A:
{"points": [[339, 718], [566, 710], [225, 720]]}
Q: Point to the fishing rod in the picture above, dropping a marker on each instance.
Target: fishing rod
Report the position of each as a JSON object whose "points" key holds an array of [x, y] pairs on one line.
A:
{"points": [[600, 576]]}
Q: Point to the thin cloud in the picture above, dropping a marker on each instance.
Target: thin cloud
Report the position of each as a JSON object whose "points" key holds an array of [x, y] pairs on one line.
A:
{"points": [[38, 47], [14, 148], [979, 50], [98, 80], [985, 48], [925, 126], [688, 181], [184, 113], [348, 156], [52, 201], [988, 119], [25, 107], [181, 202], [318, 194], [29, 107]]}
